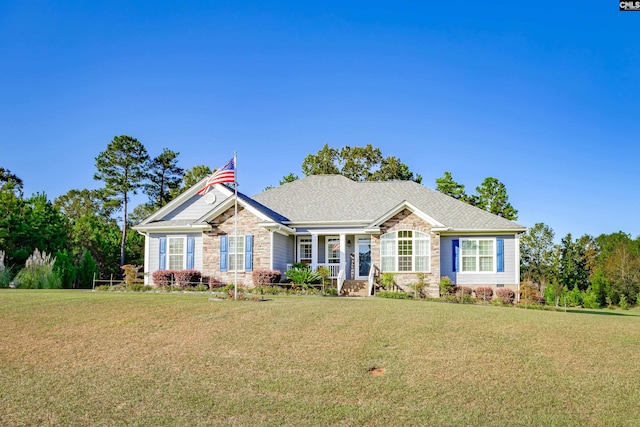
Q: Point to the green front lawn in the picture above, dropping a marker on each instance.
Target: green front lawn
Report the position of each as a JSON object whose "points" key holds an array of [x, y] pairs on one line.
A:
{"points": [[91, 358]]}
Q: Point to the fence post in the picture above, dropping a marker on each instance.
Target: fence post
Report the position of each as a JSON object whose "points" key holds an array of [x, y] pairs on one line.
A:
{"points": [[94, 281]]}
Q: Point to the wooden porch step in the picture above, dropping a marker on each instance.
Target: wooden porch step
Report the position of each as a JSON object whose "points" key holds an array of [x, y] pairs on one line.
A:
{"points": [[355, 288]]}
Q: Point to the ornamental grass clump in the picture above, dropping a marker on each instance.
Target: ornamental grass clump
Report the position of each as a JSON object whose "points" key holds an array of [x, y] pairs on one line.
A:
{"points": [[303, 275], [38, 272]]}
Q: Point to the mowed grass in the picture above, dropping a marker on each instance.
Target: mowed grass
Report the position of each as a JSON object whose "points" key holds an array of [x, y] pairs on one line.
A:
{"points": [[90, 358]]}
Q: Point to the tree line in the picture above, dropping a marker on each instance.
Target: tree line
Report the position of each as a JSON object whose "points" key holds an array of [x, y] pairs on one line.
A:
{"points": [[89, 231], [588, 271]]}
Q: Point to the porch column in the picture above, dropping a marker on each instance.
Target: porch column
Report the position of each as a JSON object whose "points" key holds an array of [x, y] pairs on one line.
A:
{"points": [[314, 251], [343, 252]]}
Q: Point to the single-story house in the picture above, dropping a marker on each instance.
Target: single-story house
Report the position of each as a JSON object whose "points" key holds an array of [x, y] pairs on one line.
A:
{"points": [[357, 229]]}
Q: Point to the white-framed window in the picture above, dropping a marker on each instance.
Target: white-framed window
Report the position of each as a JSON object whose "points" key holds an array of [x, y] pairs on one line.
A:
{"points": [[304, 250], [405, 250], [478, 255], [236, 253], [333, 250], [177, 253]]}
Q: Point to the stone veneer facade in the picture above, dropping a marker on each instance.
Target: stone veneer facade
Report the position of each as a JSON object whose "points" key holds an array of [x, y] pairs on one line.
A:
{"points": [[247, 224], [407, 220]]}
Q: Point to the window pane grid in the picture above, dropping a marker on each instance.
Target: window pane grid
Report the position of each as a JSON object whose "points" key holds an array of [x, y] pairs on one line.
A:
{"points": [[404, 250], [422, 263], [469, 247], [236, 253], [176, 253], [404, 263], [486, 247], [468, 264], [477, 255]]}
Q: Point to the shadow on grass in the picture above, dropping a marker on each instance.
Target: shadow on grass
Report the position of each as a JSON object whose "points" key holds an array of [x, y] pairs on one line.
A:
{"points": [[602, 313]]}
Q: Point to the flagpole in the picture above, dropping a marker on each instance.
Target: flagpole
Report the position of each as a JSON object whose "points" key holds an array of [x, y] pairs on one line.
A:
{"points": [[235, 185]]}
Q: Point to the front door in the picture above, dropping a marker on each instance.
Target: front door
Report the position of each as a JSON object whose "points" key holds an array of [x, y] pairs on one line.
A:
{"points": [[363, 257]]}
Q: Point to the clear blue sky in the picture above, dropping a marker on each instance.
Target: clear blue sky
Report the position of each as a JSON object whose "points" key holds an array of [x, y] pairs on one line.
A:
{"points": [[542, 95]]}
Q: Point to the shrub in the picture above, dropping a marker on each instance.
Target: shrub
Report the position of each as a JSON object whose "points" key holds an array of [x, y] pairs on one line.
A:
{"points": [[324, 272], [505, 295], [420, 285], [484, 293], [231, 287], [6, 275], [387, 280], [138, 287], [445, 285], [497, 301], [460, 291], [266, 277], [38, 272], [572, 298], [267, 290], [333, 291], [64, 268], [448, 298], [162, 278], [131, 274], [623, 302], [549, 295], [212, 282], [183, 278], [466, 299], [303, 275], [394, 295], [590, 299], [529, 294], [87, 270]]}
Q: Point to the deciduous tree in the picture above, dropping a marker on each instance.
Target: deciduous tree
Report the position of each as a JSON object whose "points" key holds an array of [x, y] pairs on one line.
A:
{"points": [[357, 163], [622, 269], [536, 253], [324, 162]]}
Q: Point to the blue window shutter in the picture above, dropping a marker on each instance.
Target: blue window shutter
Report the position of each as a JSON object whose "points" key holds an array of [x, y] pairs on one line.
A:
{"points": [[455, 255], [500, 254], [224, 251], [162, 264], [248, 252], [191, 247]]}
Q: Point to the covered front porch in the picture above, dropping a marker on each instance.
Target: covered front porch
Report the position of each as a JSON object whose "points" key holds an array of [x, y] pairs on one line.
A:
{"points": [[347, 255]]}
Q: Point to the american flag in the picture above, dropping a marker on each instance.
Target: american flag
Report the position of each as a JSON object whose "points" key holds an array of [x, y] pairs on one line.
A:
{"points": [[224, 174]]}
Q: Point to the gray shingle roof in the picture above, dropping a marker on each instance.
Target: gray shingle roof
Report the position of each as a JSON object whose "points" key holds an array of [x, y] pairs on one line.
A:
{"points": [[335, 198]]}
